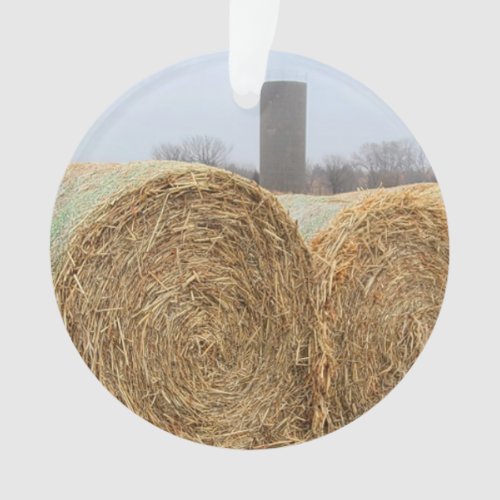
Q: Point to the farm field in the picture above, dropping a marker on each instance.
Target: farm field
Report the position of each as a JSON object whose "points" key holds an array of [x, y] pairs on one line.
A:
{"points": [[312, 212]]}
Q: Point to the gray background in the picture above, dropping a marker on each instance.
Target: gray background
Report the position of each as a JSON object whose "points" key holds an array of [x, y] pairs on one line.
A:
{"points": [[63, 436]]}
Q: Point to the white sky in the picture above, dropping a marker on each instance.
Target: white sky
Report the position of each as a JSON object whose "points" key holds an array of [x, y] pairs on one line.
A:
{"points": [[194, 97]]}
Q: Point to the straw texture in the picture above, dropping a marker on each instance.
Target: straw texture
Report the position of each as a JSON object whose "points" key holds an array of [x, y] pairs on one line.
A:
{"points": [[188, 294], [381, 270], [191, 295]]}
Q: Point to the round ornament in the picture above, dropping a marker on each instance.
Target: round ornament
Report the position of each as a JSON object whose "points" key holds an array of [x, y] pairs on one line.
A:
{"points": [[249, 277]]}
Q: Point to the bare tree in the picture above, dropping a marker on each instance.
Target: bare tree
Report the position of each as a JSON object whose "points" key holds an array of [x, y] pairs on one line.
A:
{"points": [[392, 163], [341, 174], [207, 150], [309, 176], [195, 149], [167, 151], [245, 170], [320, 183], [387, 164]]}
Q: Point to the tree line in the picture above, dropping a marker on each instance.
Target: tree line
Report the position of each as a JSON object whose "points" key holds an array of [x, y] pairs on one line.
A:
{"points": [[207, 150], [382, 164]]}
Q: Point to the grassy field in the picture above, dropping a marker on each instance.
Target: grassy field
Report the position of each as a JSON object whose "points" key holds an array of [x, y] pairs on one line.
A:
{"points": [[313, 213]]}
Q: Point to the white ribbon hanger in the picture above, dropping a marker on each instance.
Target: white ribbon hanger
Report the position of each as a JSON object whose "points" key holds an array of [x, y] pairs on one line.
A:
{"points": [[252, 25]]}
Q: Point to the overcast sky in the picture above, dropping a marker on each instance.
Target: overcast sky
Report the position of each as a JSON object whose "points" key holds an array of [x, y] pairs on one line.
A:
{"points": [[195, 98]]}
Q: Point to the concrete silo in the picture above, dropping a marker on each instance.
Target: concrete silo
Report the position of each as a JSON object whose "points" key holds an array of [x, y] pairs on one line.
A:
{"points": [[283, 110]]}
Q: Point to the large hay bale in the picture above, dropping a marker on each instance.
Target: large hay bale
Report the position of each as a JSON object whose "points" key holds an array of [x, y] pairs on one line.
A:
{"points": [[187, 291], [314, 213], [381, 270]]}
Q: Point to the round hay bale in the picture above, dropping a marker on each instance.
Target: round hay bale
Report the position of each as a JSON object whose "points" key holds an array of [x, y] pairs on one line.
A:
{"points": [[188, 294], [381, 270]]}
